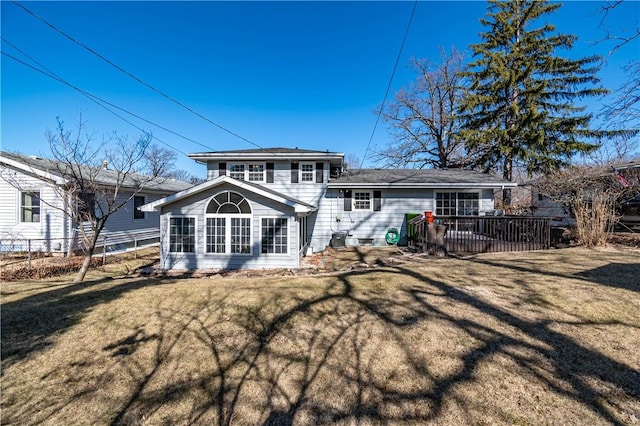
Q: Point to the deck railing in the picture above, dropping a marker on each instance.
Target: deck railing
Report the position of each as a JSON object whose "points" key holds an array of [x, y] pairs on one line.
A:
{"points": [[479, 234]]}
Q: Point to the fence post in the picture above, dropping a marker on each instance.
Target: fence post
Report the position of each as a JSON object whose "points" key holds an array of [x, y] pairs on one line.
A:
{"points": [[104, 250], [135, 246], [29, 254]]}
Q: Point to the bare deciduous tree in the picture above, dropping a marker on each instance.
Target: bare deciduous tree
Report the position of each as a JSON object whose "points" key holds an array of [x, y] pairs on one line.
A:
{"points": [[97, 178], [423, 118], [161, 162], [624, 108], [592, 195]]}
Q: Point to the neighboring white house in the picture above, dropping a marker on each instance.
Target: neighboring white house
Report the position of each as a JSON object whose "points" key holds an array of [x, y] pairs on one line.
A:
{"points": [[264, 208], [31, 209]]}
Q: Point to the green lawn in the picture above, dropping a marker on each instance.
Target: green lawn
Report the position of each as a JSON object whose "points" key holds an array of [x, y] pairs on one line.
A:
{"points": [[549, 337]]}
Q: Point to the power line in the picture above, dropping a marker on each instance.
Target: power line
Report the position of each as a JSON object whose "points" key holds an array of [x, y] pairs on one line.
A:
{"points": [[122, 70], [393, 73], [93, 98], [49, 73]]}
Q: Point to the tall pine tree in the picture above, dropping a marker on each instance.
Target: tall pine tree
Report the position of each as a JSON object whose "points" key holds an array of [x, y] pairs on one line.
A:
{"points": [[520, 109]]}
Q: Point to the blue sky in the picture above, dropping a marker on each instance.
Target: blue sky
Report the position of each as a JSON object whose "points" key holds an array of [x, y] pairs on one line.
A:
{"points": [[292, 74]]}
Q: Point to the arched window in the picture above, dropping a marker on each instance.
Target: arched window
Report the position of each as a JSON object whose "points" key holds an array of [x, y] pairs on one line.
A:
{"points": [[228, 224]]}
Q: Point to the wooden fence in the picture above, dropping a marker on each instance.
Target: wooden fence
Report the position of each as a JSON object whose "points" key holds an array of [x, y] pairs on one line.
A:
{"points": [[480, 234]]}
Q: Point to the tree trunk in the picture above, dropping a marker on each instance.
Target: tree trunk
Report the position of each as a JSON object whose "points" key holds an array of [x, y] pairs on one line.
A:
{"points": [[507, 174], [86, 263]]}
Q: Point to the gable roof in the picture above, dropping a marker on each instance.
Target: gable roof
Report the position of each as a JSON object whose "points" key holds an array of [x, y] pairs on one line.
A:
{"points": [[418, 178], [52, 170], [268, 153], [299, 207]]}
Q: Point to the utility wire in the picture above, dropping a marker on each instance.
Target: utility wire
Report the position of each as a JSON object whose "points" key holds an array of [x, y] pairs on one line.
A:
{"points": [[93, 98], [393, 73], [122, 70], [49, 73]]}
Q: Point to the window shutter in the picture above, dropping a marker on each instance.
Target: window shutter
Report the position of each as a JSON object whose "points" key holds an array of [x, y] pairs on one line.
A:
{"points": [[377, 201], [347, 200], [294, 172], [222, 169], [269, 172], [319, 172]]}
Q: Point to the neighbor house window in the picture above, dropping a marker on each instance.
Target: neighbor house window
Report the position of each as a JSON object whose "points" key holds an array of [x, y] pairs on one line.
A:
{"points": [[182, 235], [307, 172], [361, 200], [252, 172], [228, 224], [87, 206], [138, 201], [30, 207], [274, 235], [457, 203]]}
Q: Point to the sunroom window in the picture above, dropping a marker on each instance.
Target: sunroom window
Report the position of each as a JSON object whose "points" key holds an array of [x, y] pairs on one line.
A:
{"points": [[228, 224]]}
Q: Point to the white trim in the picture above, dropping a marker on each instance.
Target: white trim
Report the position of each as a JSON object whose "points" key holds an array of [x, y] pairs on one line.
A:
{"points": [[282, 199], [313, 172], [442, 186], [195, 234], [353, 200], [262, 156], [228, 217], [36, 171]]}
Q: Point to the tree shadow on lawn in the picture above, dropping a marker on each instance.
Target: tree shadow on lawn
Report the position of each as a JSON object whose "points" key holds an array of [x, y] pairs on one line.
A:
{"points": [[28, 324], [617, 275], [344, 353]]}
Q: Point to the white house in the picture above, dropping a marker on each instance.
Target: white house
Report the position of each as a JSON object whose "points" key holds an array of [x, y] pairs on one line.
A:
{"points": [[264, 208], [33, 210]]}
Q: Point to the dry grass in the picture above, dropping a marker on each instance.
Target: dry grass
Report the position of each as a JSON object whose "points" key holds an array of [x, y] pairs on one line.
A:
{"points": [[527, 338]]}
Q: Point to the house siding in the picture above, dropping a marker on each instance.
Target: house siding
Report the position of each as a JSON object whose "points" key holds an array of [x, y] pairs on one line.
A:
{"points": [[195, 206], [49, 233], [122, 220], [373, 225]]}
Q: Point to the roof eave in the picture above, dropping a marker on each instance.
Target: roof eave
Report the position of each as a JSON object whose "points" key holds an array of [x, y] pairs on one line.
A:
{"points": [[429, 185], [300, 209], [267, 155]]}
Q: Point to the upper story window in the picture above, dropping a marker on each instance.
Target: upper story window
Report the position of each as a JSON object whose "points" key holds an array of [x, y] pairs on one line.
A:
{"points": [[307, 172], [30, 206], [138, 201], [236, 171], [251, 172]]}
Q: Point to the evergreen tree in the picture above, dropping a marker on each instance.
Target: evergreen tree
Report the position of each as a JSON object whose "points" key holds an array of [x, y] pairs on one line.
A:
{"points": [[520, 109]]}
